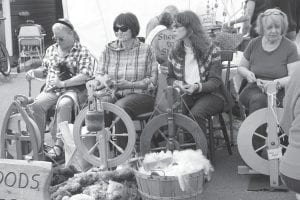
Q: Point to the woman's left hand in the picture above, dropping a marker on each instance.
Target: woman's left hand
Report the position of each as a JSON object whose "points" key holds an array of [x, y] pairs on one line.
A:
{"points": [[263, 84], [189, 88]]}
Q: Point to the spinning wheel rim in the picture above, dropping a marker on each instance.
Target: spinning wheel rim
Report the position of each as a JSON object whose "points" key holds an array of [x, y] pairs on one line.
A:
{"points": [[244, 140], [179, 119], [111, 162]]}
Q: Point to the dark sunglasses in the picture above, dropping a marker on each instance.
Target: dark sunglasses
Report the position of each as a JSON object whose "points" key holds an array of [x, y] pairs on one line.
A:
{"points": [[177, 26], [60, 39], [121, 28]]}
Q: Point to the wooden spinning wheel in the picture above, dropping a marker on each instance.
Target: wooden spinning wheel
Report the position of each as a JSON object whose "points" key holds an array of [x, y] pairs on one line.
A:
{"points": [[177, 131], [104, 143], [20, 135], [248, 131], [187, 134]]}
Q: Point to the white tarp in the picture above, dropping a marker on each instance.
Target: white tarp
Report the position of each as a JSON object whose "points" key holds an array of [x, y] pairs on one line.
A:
{"points": [[93, 19]]}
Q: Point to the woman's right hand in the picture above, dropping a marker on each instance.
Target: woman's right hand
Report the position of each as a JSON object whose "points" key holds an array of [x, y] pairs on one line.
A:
{"points": [[30, 75], [250, 76]]}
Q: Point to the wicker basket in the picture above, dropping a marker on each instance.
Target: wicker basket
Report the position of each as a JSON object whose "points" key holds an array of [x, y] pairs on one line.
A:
{"points": [[167, 187]]}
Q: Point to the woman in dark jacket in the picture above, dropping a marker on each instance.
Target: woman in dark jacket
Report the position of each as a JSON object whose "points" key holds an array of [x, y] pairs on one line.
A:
{"points": [[195, 67]]}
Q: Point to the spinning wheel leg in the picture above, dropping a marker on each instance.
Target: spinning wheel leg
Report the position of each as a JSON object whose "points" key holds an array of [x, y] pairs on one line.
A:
{"points": [[188, 134]]}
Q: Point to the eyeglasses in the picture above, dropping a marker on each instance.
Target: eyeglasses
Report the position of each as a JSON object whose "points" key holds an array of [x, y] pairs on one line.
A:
{"points": [[58, 39], [121, 28], [272, 12]]}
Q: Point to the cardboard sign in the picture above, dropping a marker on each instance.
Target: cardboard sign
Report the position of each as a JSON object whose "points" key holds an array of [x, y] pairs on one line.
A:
{"points": [[24, 180], [274, 153]]}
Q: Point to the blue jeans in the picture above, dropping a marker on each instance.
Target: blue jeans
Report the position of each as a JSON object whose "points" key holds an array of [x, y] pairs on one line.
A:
{"points": [[134, 105], [201, 106]]}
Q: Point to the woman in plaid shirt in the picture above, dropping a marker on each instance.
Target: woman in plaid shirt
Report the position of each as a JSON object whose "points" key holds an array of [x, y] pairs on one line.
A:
{"points": [[128, 69], [67, 65], [195, 68]]}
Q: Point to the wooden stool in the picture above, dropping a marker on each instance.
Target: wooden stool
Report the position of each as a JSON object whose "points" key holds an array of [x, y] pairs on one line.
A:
{"points": [[211, 137]]}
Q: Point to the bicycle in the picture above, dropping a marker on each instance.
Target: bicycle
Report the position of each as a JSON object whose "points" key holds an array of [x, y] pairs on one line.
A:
{"points": [[5, 67]]}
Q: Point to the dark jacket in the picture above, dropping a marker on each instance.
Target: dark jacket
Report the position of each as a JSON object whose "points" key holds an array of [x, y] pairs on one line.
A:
{"points": [[210, 71]]}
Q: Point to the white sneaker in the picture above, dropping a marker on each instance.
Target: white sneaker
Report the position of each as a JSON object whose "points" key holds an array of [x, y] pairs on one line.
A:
{"points": [[297, 196]]}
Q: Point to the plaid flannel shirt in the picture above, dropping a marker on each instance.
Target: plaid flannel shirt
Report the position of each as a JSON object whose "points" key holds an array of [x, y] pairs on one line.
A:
{"points": [[135, 64], [79, 60]]}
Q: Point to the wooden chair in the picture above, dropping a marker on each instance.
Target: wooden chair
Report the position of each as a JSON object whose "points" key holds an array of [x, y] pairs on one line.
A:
{"points": [[226, 56]]}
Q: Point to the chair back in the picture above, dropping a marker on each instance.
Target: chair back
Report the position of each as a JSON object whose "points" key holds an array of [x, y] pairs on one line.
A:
{"points": [[227, 56]]}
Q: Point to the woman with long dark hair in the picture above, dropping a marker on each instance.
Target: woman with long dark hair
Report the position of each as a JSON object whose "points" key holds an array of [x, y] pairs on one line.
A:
{"points": [[195, 67]]}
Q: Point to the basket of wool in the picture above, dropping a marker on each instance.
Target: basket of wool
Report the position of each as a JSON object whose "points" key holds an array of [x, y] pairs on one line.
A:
{"points": [[177, 175]]}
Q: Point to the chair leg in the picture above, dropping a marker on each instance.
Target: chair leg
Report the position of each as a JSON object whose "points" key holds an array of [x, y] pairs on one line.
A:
{"points": [[223, 127], [211, 140], [231, 127]]}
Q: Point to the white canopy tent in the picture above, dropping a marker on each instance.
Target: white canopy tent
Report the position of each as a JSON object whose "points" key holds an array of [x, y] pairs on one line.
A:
{"points": [[93, 19]]}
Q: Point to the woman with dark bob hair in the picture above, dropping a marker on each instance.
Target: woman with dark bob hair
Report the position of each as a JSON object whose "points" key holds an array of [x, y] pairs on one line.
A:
{"points": [[195, 67], [127, 72]]}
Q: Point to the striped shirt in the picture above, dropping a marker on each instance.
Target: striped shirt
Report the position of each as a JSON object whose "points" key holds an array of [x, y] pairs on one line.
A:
{"points": [[79, 60], [135, 64]]}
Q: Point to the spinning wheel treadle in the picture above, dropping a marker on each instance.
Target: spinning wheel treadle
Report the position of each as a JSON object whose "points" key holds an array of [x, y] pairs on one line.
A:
{"points": [[185, 126], [247, 131], [116, 154]]}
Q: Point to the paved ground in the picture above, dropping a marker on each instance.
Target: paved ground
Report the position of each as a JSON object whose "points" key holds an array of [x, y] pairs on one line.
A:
{"points": [[226, 184]]}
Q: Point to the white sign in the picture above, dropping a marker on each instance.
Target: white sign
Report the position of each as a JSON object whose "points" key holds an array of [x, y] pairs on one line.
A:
{"points": [[24, 180]]}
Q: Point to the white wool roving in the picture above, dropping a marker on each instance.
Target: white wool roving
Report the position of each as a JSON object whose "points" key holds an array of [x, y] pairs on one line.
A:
{"points": [[184, 162]]}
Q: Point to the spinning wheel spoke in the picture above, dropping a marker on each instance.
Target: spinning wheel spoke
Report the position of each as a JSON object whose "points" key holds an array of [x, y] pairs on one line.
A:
{"points": [[260, 148], [163, 134], [259, 135], [283, 146], [85, 135], [120, 135], [187, 145], [117, 146], [114, 123], [92, 150], [282, 136]]}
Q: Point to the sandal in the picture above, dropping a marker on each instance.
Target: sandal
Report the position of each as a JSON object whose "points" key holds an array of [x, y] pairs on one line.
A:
{"points": [[54, 153]]}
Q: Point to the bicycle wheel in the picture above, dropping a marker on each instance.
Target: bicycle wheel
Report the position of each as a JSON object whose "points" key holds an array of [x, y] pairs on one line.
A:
{"points": [[4, 61]]}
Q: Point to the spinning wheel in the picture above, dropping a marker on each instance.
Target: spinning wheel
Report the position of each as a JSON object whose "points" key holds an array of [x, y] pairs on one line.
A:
{"points": [[188, 134], [175, 130], [95, 150], [248, 132], [20, 136]]}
